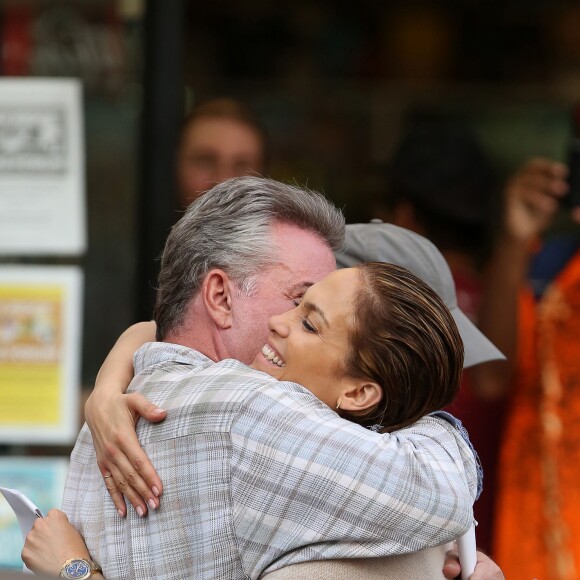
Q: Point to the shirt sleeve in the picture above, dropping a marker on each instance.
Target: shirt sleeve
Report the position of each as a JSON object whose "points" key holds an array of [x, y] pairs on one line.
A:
{"points": [[309, 485]]}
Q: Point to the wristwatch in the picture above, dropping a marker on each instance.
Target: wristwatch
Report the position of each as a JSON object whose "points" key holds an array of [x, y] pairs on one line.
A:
{"points": [[79, 569]]}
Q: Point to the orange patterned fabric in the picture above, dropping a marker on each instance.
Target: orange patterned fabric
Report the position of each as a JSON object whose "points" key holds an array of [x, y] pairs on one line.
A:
{"points": [[538, 509]]}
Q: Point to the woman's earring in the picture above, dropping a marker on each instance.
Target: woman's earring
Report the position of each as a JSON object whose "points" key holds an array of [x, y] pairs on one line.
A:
{"points": [[338, 405]]}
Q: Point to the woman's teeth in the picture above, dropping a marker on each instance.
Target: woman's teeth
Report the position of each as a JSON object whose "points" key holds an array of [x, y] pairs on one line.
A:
{"points": [[272, 356]]}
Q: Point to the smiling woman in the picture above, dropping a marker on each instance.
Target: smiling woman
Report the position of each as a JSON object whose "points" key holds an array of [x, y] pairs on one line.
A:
{"points": [[308, 345], [373, 342]]}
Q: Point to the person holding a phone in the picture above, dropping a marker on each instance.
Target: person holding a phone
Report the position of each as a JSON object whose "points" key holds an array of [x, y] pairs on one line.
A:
{"points": [[531, 311]]}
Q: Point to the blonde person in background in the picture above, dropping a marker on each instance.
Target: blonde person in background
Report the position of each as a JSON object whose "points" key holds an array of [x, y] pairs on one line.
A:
{"points": [[220, 139]]}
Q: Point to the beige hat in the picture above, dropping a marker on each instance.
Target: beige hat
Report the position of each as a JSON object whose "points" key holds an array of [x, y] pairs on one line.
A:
{"points": [[380, 242]]}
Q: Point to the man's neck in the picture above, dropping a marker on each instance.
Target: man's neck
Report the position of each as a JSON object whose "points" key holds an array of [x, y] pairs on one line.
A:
{"points": [[199, 332], [194, 340]]}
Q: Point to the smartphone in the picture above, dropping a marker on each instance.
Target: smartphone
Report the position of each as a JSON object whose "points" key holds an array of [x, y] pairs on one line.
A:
{"points": [[572, 198]]}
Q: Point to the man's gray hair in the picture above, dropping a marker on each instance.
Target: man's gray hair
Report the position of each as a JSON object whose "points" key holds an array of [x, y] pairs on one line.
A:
{"points": [[230, 227]]}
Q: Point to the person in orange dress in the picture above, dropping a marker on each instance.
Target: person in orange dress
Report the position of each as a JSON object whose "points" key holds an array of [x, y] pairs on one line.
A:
{"points": [[537, 326]]}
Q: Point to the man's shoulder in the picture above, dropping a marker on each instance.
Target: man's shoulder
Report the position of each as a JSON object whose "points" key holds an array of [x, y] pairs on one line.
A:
{"points": [[197, 398], [188, 382]]}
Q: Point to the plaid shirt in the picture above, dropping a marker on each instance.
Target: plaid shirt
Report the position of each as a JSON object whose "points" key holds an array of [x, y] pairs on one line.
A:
{"points": [[259, 474]]}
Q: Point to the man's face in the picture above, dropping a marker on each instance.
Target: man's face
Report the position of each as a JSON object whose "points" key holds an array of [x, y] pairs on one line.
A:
{"points": [[304, 259], [214, 149]]}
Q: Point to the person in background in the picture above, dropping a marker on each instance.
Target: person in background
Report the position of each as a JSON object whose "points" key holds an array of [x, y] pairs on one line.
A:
{"points": [[533, 310], [380, 242], [219, 139], [442, 185]]}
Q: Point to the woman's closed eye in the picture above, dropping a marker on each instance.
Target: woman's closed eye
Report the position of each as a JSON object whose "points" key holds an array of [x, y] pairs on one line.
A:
{"points": [[308, 326]]}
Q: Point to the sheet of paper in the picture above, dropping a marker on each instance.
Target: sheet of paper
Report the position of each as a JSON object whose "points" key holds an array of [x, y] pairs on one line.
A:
{"points": [[42, 167], [26, 512], [467, 553]]}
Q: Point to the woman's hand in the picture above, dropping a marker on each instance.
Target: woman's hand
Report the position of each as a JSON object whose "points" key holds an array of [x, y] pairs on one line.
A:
{"points": [[51, 542], [124, 465], [112, 415]]}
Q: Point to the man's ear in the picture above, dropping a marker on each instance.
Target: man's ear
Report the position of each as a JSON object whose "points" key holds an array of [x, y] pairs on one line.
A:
{"points": [[216, 293], [360, 395]]}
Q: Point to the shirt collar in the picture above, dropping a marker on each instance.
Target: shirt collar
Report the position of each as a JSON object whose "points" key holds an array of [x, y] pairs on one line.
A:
{"points": [[152, 353]]}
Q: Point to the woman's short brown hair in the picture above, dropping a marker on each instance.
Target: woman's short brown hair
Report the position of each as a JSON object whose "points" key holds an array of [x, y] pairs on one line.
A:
{"points": [[404, 338]]}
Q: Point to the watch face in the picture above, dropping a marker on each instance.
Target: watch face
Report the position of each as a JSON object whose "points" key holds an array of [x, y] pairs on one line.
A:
{"points": [[77, 569]]}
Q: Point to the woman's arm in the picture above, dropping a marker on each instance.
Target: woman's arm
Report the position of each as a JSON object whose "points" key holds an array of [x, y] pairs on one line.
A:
{"points": [[531, 199], [112, 415], [51, 542]]}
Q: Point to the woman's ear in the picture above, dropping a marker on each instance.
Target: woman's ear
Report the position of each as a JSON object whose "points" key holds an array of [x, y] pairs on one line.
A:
{"points": [[361, 395], [216, 293]]}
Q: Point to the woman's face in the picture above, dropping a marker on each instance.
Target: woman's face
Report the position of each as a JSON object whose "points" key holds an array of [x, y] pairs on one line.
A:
{"points": [[309, 344]]}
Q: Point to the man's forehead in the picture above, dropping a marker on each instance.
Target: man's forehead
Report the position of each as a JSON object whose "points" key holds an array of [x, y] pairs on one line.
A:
{"points": [[298, 277], [287, 280], [302, 258]]}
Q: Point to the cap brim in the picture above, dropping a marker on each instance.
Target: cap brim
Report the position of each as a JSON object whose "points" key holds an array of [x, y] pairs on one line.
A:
{"points": [[478, 348]]}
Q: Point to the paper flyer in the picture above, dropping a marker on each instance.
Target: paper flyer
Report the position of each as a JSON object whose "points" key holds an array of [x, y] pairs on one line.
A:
{"points": [[40, 325], [42, 167]]}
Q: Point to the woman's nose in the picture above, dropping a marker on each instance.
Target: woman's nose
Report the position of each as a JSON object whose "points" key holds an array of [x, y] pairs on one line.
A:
{"points": [[279, 325]]}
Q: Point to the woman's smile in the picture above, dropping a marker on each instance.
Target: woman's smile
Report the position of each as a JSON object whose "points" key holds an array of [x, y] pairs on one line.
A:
{"points": [[272, 356]]}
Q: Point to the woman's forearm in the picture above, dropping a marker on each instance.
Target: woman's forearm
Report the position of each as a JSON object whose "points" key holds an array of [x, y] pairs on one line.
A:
{"points": [[117, 371], [111, 416], [505, 277]]}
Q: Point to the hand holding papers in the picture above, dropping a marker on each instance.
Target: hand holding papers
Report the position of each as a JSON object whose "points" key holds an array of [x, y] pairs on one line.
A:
{"points": [[26, 512]]}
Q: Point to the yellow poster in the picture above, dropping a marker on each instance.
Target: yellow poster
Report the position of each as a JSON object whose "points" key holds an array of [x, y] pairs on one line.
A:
{"points": [[39, 334]]}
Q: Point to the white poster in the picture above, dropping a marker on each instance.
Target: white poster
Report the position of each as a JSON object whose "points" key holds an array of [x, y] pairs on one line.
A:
{"points": [[40, 345], [42, 164]]}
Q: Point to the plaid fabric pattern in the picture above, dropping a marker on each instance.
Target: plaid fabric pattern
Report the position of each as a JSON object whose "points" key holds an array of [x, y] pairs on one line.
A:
{"points": [[259, 474]]}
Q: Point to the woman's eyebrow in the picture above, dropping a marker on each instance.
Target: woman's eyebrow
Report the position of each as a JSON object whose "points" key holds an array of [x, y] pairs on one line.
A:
{"points": [[313, 308]]}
